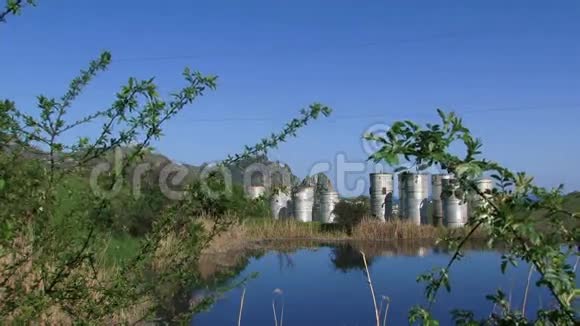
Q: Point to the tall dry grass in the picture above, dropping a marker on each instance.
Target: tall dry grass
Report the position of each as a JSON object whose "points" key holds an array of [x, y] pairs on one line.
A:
{"points": [[372, 229], [267, 229], [367, 230]]}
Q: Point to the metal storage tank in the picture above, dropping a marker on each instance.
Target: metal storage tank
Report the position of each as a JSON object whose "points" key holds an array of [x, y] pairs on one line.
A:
{"points": [[465, 211], [401, 186], [316, 208], [454, 207], [254, 192], [436, 189], [416, 197], [303, 200], [328, 200], [381, 195], [485, 186], [429, 212], [280, 205], [321, 183]]}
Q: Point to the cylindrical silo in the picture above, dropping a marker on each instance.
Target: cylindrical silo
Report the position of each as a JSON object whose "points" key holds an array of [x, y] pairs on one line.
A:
{"points": [[485, 187], [303, 200], [254, 192], [316, 208], [328, 200], [416, 197], [280, 205], [401, 186], [454, 207], [381, 195], [436, 189]]}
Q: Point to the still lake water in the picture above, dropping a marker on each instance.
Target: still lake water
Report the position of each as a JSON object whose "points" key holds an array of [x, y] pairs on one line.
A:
{"points": [[326, 285]]}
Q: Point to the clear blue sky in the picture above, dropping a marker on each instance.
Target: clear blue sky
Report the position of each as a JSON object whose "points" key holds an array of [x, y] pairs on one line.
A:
{"points": [[511, 68]]}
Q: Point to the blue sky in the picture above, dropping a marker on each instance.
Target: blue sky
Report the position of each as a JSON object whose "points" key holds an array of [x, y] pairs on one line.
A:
{"points": [[511, 69]]}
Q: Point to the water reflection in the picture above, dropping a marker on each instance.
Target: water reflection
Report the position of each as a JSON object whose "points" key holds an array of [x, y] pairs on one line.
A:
{"points": [[346, 257], [324, 283], [285, 260]]}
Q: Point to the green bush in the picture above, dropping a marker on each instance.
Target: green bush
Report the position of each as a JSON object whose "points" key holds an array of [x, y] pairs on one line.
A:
{"points": [[350, 212]]}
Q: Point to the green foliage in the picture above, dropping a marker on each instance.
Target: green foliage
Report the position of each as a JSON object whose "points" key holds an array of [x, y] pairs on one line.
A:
{"points": [[529, 220], [71, 253], [418, 314], [350, 212], [14, 7], [224, 202], [50, 240]]}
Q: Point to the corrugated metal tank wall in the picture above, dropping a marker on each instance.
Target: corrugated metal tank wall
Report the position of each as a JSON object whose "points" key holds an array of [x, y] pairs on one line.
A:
{"points": [[328, 201], [381, 195], [303, 200]]}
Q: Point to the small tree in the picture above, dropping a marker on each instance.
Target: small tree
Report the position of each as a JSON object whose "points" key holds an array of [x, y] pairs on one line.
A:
{"points": [[350, 212], [52, 255]]}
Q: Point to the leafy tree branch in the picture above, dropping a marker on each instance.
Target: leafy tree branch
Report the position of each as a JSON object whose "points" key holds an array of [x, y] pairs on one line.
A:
{"points": [[14, 7], [529, 220]]}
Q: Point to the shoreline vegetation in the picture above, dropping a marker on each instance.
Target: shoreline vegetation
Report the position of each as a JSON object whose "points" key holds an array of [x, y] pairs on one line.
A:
{"points": [[251, 236], [367, 230]]}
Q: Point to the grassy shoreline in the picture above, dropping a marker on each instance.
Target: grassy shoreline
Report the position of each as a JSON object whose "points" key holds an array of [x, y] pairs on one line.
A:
{"points": [[367, 230]]}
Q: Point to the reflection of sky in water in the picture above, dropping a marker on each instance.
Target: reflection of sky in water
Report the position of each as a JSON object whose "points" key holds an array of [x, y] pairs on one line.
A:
{"points": [[327, 286]]}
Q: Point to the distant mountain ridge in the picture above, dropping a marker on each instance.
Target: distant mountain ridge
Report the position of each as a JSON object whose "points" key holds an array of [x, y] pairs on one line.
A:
{"points": [[153, 163]]}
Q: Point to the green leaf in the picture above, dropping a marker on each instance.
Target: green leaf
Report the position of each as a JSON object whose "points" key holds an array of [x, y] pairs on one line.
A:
{"points": [[392, 158], [2, 184], [441, 114]]}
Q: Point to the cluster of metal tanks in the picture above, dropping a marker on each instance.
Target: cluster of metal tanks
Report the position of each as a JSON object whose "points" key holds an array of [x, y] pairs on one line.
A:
{"points": [[446, 205], [443, 205], [299, 205], [414, 201]]}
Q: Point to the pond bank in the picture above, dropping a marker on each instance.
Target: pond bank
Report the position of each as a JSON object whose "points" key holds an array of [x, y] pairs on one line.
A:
{"points": [[252, 237], [366, 230]]}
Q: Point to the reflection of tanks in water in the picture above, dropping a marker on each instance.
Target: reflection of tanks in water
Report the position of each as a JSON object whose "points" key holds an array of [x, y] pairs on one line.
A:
{"points": [[395, 248], [422, 251]]}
